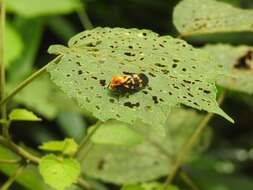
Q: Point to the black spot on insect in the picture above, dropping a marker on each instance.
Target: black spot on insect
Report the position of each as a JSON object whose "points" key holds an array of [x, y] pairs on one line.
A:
{"points": [[242, 62], [80, 72], [128, 83]]}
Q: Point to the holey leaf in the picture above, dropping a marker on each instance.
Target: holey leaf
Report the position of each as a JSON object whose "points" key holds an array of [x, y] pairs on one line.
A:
{"points": [[209, 16], [238, 63], [178, 74]]}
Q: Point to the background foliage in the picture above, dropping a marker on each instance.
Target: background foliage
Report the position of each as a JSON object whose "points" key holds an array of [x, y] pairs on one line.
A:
{"points": [[119, 154]]}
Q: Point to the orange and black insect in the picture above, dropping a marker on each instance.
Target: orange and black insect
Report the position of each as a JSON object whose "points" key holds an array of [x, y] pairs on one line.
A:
{"points": [[128, 83]]}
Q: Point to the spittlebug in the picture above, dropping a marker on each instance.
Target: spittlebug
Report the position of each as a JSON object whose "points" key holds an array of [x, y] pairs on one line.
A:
{"points": [[128, 83]]}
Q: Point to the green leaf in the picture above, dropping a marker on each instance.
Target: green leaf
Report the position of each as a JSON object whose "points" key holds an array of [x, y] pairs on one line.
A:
{"points": [[116, 133], [175, 70], [209, 16], [33, 8], [14, 44], [151, 159], [23, 114], [68, 146], [59, 173], [237, 63], [30, 178]]}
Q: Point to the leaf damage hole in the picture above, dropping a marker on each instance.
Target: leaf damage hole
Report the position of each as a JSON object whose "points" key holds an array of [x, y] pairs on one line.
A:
{"points": [[131, 105], [101, 164], [129, 54], [159, 65], [102, 82], [93, 77], [174, 65], [243, 62], [155, 99]]}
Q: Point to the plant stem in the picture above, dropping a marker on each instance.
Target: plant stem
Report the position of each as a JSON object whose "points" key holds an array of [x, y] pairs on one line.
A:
{"points": [[9, 161], [186, 178], [186, 147], [84, 18], [189, 143], [19, 150], [85, 140], [6, 127], [13, 177], [29, 80], [83, 184], [2, 60], [31, 158]]}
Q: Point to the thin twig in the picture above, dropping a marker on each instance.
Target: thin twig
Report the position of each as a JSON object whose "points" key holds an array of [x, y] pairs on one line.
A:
{"points": [[84, 18], [187, 180], [83, 184], [86, 140], [6, 127], [189, 143], [9, 161], [31, 158], [28, 81], [2, 62], [13, 177], [19, 151]]}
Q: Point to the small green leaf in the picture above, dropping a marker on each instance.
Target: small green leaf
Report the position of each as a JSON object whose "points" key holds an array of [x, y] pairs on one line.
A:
{"points": [[33, 8], [30, 178], [237, 62], [68, 146], [23, 115], [58, 172], [175, 70], [14, 44], [193, 17], [116, 133]]}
